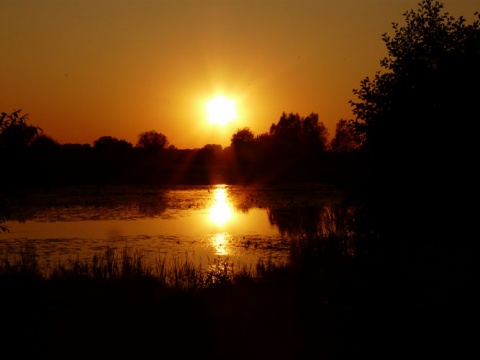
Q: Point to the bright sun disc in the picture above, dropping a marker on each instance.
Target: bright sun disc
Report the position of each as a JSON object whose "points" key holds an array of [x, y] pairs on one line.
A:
{"points": [[221, 110]]}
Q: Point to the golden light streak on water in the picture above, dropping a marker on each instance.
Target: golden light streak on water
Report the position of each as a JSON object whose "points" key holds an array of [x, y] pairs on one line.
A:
{"points": [[220, 243], [221, 211]]}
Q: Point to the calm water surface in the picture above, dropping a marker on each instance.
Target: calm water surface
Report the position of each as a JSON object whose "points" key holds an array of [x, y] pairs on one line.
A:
{"points": [[239, 223]]}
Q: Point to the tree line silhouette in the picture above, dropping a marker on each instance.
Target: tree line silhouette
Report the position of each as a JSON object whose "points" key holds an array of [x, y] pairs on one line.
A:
{"points": [[289, 151]]}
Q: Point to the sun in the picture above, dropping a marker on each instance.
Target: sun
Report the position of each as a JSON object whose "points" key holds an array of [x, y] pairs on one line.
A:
{"points": [[221, 110]]}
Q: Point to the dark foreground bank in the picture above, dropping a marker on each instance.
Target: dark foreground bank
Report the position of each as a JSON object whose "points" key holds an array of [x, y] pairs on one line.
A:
{"points": [[326, 306]]}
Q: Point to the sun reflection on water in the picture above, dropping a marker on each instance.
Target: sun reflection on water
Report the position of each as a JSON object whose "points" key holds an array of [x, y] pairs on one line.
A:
{"points": [[220, 242], [221, 212]]}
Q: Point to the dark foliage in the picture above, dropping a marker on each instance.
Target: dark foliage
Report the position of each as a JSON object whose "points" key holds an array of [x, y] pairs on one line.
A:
{"points": [[152, 141], [416, 119], [295, 150], [415, 115]]}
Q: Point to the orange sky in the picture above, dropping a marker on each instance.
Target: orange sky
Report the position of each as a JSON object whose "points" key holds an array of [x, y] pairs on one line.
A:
{"points": [[83, 69]]}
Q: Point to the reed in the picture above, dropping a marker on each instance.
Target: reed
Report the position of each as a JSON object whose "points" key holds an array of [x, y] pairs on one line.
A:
{"points": [[129, 265], [326, 249], [23, 264]]}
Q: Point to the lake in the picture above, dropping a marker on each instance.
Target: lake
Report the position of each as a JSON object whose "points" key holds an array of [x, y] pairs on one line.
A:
{"points": [[242, 224]]}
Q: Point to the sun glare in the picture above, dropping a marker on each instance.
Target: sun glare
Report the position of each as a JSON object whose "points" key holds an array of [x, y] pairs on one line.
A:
{"points": [[221, 110]]}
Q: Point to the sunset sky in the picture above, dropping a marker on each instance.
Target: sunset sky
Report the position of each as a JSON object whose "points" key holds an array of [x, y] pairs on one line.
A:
{"points": [[83, 69]]}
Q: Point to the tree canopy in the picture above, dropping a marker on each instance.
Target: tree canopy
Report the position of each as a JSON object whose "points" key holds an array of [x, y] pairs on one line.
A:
{"points": [[345, 139], [110, 143], [418, 119], [15, 132], [152, 140], [295, 131], [242, 137], [415, 115]]}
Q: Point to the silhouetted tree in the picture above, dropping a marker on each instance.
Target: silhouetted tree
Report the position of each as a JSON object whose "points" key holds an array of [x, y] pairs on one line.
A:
{"points": [[208, 164], [314, 134], [152, 140], [44, 144], [76, 148], [297, 145], [298, 133], [15, 137], [346, 138], [112, 160], [15, 133], [415, 114], [287, 132], [241, 155], [111, 144], [263, 138], [211, 151], [242, 137], [418, 118]]}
